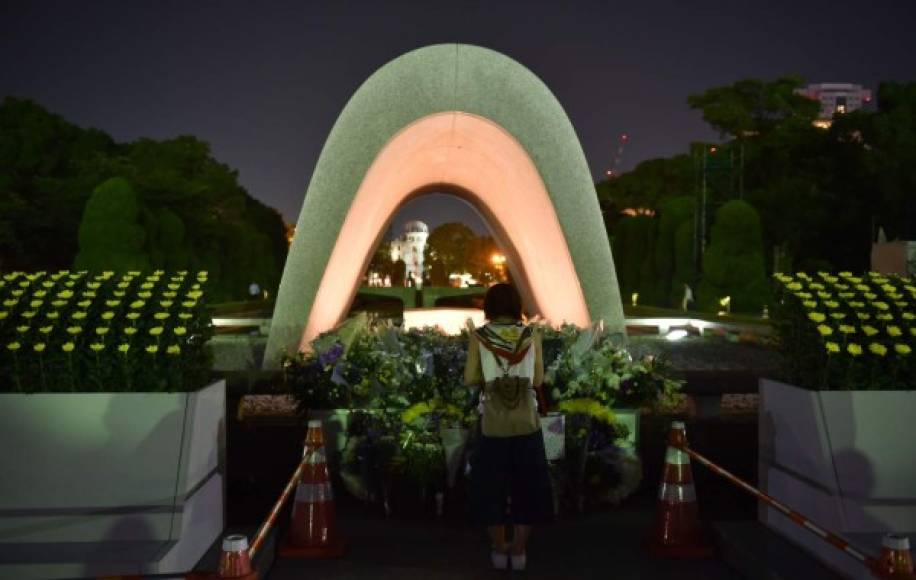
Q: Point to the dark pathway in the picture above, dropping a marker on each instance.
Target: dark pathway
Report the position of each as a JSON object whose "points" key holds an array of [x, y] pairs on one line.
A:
{"points": [[607, 545]]}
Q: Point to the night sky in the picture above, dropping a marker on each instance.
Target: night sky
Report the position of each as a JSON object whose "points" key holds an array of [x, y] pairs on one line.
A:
{"points": [[264, 81]]}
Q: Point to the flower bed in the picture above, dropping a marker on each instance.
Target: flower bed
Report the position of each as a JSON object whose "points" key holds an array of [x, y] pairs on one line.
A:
{"points": [[847, 332], [411, 415], [74, 331]]}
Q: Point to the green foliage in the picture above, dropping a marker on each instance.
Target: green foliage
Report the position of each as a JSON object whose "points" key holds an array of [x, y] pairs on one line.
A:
{"points": [[733, 264], [633, 252], [109, 236], [447, 245], [755, 107], [647, 186], [685, 271], [675, 212], [191, 206]]}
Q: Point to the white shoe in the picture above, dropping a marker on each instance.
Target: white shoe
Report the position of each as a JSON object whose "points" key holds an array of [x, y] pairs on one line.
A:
{"points": [[519, 561], [500, 560]]}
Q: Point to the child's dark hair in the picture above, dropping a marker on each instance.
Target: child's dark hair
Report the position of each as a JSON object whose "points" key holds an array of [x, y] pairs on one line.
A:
{"points": [[502, 301]]}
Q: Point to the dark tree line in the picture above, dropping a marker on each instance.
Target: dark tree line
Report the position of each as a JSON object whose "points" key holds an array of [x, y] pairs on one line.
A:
{"points": [[816, 196], [73, 197]]}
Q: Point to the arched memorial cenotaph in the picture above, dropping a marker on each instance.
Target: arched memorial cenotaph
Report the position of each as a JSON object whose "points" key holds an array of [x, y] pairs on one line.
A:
{"points": [[475, 123]]}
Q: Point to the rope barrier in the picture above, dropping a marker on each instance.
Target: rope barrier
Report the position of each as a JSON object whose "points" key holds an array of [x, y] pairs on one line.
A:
{"points": [[271, 519], [793, 515]]}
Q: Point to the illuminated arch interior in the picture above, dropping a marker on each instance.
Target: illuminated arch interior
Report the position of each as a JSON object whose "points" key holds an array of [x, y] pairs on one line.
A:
{"points": [[478, 160]]}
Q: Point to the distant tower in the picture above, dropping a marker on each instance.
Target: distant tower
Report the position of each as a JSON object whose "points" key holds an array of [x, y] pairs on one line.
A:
{"points": [[409, 247]]}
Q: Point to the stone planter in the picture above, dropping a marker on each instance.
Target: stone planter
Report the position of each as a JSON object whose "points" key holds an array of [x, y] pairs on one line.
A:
{"points": [[98, 484], [845, 459]]}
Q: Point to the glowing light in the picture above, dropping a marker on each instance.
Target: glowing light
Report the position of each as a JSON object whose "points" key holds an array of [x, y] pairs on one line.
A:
{"points": [[678, 334], [634, 298], [449, 320]]}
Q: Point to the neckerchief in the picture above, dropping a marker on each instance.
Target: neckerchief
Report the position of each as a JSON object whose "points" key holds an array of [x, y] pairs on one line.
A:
{"points": [[509, 341]]}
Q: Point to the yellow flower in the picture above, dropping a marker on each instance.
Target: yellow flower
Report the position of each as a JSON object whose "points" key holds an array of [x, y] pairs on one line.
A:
{"points": [[92, 285], [173, 349], [195, 294], [146, 286], [23, 329], [39, 347], [180, 331], [28, 314], [192, 304], [123, 348], [816, 317], [88, 294], [118, 293], [112, 303], [3, 314], [78, 315], [144, 295], [825, 295], [185, 315], [123, 285], [857, 304], [854, 349], [832, 347], [824, 330], [152, 349], [130, 331], [17, 293], [107, 315], [909, 316], [53, 315], [74, 330], [67, 347], [58, 303], [870, 296], [161, 315], [9, 303], [809, 304], [155, 331], [66, 294], [169, 294], [45, 329], [36, 303], [831, 304], [913, 331], [13, 346], [880, 305], [816, 286], [837, 315], [846, 329], [862, 287], [102, 330], [877, 348], [97, 347], [165, 303], [901, 305], [893, 331], [885, 316], [133, 315], [902, 349], [869, 330], [137, 304]]}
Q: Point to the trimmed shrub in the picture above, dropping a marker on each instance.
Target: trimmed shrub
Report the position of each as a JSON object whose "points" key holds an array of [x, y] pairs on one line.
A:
{"points": [[110, 237], [674, 212], [733, 264]]}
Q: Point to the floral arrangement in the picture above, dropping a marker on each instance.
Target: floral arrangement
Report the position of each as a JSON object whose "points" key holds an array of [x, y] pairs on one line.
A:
{"points": [[845, 331], [77, 332], [590, 366]]}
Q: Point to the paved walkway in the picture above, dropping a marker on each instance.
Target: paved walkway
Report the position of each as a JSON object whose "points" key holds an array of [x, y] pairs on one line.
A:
{"points": [[607, 545]]}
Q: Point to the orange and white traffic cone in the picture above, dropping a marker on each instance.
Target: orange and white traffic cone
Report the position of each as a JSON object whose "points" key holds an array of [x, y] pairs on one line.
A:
{"points": [[677, 527], [896, 562], [234, 562], [313, 533]]}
